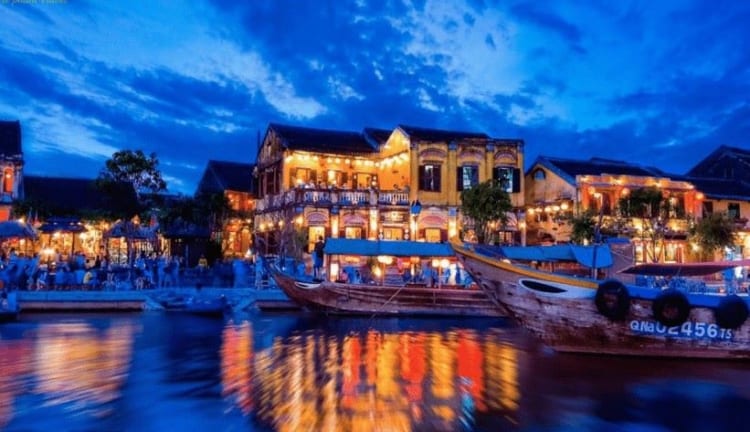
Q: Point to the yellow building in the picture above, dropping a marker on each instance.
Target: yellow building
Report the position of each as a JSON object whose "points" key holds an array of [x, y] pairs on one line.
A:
{"points": [[377, 184], [235, 181], [558, 188], [11, 166]]}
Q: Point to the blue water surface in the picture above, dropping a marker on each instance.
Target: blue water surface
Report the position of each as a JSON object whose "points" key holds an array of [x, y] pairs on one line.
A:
{"points": [[156, 371]]}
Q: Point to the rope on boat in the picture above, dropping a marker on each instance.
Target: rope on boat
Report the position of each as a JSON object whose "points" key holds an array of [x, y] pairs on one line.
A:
{"points": [[388, 301]]}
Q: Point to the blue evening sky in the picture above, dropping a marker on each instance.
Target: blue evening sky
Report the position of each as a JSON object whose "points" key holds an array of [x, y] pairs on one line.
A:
{"points": [[658, 82]]}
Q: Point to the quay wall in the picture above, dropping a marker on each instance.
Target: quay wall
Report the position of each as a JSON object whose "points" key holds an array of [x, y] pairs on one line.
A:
{"points": [[239, 298]]}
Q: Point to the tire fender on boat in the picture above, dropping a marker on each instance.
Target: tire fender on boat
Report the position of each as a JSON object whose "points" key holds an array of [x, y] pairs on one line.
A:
{"points": [[731, 312], [671, 307], [612, 299]]}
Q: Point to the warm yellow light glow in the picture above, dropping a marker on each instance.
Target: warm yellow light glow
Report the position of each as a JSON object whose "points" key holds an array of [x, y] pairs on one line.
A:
{"points": [[530, 211], [334, 271], [56, 234], [299, 220], [435, 262], [564, 206], [385, 259], [444, 263]]}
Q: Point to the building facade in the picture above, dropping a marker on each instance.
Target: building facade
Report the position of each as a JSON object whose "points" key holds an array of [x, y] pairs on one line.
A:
{"points": [[376, 184], [235, 182], [11, 166], [558, 188]]}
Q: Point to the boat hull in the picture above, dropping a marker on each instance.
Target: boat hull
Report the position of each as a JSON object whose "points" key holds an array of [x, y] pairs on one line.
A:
{"points": [[354, 299], [569, 321]]}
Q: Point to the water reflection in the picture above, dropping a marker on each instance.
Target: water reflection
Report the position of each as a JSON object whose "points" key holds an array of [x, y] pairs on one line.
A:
{"points": [[71, 365], [369, 375], [154, 372]]}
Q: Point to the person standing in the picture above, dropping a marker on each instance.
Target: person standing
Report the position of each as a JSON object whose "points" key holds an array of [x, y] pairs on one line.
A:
{"points": [[318, 258]]}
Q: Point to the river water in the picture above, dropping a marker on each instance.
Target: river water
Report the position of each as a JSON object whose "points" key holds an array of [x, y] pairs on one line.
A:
{"points": [[157, 371]]}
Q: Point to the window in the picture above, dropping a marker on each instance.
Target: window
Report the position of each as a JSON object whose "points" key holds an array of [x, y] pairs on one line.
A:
{"points": [[468, 177], [8, 181], [304, 177], [337, 178], [509, 176], [429, 178], [734, 210], [539, 174], [708, 208]]}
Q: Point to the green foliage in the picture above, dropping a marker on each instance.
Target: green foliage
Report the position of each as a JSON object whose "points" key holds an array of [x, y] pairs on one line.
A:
{"points": [[583, 228], [484, 203], [644, 203], [202, 210], [133, 167], [713, 233]]}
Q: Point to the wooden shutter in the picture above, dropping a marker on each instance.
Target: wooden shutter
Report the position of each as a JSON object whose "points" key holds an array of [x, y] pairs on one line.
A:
{"points": [[459, 179], [516, 180], [436, 169]]}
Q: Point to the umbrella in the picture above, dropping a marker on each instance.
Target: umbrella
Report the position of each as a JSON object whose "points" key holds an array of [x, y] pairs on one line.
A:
{"points": [[15, 229]]}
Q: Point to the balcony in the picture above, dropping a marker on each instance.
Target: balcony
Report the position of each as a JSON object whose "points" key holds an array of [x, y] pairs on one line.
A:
{"points": [[330, 197]]}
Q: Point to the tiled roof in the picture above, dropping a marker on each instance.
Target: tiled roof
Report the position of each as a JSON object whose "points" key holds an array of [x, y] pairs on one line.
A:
{"points": [[720, 188], [707, 164], [66, 195], [224, 176], [10, 138], [570, 168], [438, 135], [322, 140], [379, 136]]}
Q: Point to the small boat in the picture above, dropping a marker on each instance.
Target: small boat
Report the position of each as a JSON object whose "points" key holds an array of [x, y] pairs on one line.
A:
{"points": [[9, 308], [394, 296], [197, 305], [614, 316]]}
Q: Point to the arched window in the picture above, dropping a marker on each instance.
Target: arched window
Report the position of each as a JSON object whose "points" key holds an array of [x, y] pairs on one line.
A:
{"points": [[539, 174], [8, 180]]}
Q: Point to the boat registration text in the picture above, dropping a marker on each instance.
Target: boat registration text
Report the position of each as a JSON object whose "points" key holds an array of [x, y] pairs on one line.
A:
{"points": [[688, 329]]}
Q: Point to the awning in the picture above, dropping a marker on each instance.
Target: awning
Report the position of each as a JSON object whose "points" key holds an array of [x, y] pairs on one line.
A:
{"points": [[685, 269], [584, 255], [399, 248]]}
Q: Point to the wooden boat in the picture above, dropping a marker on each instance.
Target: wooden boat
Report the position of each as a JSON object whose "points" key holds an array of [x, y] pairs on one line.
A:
{"points": [[385, 298], [197, 305], [612, 316], [9, 309]]}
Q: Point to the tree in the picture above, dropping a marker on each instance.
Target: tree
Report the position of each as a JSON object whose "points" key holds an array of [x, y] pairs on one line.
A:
{"points": [[485, 203], [134, 167], [713, 233], [653, 209], [583, 228]]}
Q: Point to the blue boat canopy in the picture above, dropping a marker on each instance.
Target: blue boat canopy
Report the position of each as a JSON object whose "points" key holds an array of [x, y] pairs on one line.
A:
{"points": [[399, 248], [584, 255]]}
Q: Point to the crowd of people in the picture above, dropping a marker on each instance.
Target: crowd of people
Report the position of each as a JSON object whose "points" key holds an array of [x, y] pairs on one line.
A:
{"points": [[147, 271]]}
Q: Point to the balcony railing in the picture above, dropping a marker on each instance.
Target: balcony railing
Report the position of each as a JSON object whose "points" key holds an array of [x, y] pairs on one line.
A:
{"points": [[330, 197]]}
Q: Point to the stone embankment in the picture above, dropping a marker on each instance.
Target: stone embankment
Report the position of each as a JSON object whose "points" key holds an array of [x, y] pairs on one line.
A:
{"points": [[239, 298]]}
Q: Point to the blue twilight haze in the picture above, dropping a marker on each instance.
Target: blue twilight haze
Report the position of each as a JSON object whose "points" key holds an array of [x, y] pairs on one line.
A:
{"points": [[657, 82]]}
